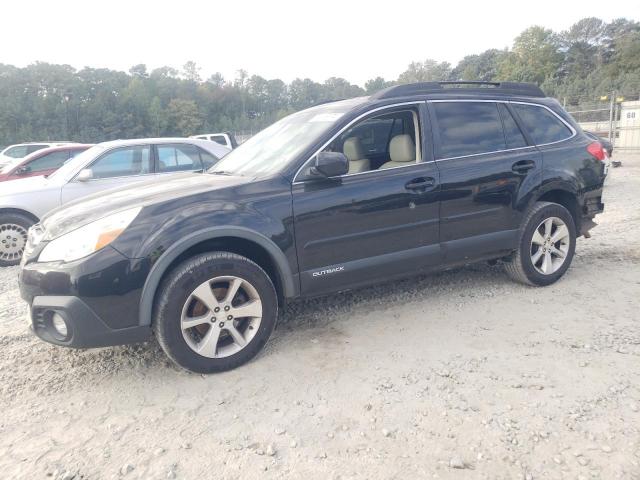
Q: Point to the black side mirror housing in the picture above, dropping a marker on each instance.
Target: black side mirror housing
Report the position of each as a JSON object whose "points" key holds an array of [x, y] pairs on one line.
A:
{"points": [[330, 164]]}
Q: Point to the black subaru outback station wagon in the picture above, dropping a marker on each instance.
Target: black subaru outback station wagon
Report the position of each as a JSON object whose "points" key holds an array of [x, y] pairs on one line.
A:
{"points": [[411, 179]]}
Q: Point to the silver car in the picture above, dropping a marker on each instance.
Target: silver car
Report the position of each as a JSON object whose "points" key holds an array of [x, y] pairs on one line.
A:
{"points": [[104, 166]]}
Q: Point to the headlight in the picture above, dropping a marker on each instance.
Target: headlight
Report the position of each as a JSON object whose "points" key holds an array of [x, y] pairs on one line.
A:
{"points": [[89, 238]]}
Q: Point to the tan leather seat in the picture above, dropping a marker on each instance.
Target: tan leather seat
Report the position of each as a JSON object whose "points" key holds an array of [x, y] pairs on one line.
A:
{"points": [[402, 151], [352, 149]]}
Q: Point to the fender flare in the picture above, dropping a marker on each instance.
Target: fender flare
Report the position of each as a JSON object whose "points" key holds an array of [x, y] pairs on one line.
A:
{"points": [[545, 188], [162, 264], [557, 185]]}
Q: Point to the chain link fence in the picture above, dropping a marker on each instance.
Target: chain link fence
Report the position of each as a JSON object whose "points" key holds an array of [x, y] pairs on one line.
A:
{"points": [[615, 117]]}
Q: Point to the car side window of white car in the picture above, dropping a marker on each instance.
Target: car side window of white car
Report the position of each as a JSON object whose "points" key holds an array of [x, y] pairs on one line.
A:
{"points": [[178, 158], [123, 162]]}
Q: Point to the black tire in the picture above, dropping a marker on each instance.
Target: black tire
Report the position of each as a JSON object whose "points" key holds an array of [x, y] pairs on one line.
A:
{"points": [[520, 268], [175, 291], [8, 221]]}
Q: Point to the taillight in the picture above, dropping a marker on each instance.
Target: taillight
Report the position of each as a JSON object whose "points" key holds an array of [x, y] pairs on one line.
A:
{"points": [[597, 150]]}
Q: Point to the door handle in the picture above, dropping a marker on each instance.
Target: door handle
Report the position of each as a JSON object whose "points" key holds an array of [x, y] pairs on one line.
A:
{"points": [[523, 166], [420, 183]]}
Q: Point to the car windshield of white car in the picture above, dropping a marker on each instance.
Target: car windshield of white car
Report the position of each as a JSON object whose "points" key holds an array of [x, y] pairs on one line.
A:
{"points": [[72, 164]]}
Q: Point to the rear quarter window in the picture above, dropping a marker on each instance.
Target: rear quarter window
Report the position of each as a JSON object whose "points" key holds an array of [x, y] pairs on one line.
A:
{"points": [[542, 125]]}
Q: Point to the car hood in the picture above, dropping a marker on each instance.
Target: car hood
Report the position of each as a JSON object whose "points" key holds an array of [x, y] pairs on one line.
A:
{"points": [[26, 185], [88, 209]]}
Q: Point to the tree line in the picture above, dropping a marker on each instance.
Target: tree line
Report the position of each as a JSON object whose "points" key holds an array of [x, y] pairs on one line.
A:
{"points": [[57, 102]]}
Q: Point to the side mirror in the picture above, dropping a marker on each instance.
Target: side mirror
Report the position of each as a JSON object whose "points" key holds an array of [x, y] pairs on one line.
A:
{"points": [[330, 164], [85, 175]]}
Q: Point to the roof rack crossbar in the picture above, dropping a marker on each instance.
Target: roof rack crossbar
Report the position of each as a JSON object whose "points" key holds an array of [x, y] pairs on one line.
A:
{"points": [[469, 82], [505, 88]]}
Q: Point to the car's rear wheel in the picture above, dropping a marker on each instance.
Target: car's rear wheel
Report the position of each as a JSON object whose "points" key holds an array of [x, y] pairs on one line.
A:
{"points": [[13, 237], [546, 245], [215, 312]]}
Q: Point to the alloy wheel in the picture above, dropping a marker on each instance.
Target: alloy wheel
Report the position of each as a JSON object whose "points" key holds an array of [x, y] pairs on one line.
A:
{"points": [[550, 245], [221, 316]]}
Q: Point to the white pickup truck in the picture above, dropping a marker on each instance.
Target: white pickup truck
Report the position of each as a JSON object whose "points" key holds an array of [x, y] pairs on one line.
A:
{"points": [[226, 138]]}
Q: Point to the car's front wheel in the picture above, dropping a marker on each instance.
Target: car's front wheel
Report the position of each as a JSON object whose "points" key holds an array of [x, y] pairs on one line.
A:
{"points": [[13, 237], [546, 245], [215, 312]]}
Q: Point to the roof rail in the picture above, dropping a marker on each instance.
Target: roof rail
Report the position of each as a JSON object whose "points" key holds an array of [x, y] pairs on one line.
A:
{"points": [[500, 88], [323, 102]]}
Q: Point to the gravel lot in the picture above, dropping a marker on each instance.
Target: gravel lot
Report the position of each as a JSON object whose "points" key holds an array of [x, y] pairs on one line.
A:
{"points": [[459, 375]]}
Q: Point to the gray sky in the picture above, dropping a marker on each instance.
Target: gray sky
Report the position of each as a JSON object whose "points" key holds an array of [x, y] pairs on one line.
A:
{"points": [[357, 40]]}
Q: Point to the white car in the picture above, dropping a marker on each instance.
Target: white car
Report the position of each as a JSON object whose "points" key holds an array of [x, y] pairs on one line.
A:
{"points": [[104, 166], [20, 150], [226, 138]]}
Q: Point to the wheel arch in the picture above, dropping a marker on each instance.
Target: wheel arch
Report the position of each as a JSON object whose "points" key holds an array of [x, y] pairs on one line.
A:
{"points": [[19, 211], [242, 241], [565, 196]]}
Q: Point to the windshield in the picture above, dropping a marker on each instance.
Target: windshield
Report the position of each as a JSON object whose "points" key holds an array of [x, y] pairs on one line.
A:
{"points": [[276, 146], [72, 164], [18, 151], [13, 163]]}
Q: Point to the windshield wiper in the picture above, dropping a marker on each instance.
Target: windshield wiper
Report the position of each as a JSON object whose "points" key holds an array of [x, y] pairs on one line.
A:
{"points": [[222, 172]]}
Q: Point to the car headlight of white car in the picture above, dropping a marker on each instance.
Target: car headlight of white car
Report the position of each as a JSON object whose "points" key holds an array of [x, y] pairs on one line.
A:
{"points": [[89, 238]]}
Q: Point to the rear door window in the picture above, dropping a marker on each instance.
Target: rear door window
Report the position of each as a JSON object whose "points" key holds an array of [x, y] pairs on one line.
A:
{"points": [[542, 125], [512, 134], [468, 128], [177, 158]]}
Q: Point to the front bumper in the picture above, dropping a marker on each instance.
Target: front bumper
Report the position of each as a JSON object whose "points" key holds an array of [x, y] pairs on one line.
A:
{"points": [[84, 329], [98, 298]]}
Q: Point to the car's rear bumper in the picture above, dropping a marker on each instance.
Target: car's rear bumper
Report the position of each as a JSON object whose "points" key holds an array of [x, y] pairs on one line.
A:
{"points": [[84, 328], [592, 206]]}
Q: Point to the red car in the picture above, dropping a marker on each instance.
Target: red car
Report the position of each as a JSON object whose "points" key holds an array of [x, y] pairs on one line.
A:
{"points": [[41, 162]]}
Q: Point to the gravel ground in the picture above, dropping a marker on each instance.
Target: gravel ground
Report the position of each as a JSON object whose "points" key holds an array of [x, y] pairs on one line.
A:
{"points": [[458, 375]]}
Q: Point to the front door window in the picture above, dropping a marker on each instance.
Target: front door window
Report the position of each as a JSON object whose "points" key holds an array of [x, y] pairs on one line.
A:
{"points": [[123, 162]]}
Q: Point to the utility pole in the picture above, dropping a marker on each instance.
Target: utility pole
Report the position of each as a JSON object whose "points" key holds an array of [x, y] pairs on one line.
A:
{"points": [[66, 97], [612, 105]]}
